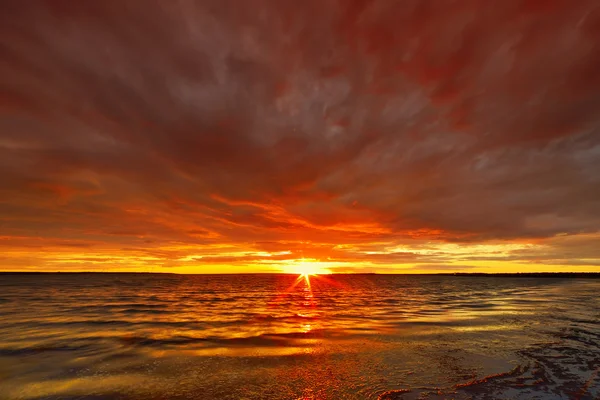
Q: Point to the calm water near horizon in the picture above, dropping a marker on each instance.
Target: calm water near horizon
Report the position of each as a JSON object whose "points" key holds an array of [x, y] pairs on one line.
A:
{"points": [[155, 336]]}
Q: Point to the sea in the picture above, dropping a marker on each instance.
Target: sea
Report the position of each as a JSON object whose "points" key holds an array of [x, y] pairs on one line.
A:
{"points": [[281, 336]]}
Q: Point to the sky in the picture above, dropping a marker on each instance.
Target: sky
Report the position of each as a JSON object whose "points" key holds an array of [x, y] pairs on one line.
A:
{"points": [[317, 135]]}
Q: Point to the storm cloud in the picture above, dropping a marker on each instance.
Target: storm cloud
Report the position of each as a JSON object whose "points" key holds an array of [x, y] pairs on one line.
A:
{"points": [[151, 133]]}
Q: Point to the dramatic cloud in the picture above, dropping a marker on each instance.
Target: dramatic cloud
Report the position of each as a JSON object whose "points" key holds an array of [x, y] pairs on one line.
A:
{"points": [[252, 135]]}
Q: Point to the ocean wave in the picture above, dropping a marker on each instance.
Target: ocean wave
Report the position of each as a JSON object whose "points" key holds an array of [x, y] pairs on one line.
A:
{"points": [[248, 341], [228, 338]]}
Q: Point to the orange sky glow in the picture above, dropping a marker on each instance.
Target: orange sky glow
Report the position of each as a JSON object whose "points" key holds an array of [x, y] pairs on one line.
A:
{"points": [[367, 136]]}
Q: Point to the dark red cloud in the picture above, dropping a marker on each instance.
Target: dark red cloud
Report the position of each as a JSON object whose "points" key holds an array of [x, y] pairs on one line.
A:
{"points": [[165, 127]]}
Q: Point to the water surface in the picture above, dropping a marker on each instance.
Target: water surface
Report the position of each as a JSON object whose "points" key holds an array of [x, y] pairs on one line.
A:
{"points": [[158, 336]]}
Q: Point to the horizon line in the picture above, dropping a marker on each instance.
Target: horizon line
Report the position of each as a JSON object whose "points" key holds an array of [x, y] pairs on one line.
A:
{"points": [[506, 274]]}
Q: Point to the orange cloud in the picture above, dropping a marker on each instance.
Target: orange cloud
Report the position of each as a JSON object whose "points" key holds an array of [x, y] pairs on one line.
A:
{"points": [[371, 135]]}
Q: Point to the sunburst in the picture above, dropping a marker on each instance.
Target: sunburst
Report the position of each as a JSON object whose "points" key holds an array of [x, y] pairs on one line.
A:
{"points": [[307, 267]]}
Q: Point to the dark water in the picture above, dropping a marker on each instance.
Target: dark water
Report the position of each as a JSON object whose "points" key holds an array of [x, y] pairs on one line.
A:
{"points": [[118, 336]]}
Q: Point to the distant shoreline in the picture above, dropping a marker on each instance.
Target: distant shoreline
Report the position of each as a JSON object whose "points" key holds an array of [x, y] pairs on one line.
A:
{"points": [[527, 274], [575, 275]]}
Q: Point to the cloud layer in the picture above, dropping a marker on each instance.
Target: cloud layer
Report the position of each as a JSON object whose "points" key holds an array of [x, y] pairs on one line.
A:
{"points": [[380, 134]]}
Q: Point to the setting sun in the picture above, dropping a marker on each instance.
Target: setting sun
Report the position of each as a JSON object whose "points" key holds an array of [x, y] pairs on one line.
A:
{"points": [[307, 267]]}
